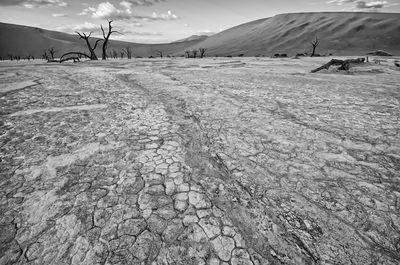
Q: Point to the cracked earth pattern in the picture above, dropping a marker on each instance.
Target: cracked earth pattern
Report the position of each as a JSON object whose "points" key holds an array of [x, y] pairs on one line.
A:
{"points": [[250, 161]]}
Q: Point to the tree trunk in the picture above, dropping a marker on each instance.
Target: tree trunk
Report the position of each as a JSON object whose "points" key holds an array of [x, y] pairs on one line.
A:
{"points": [[344, 64], [313, 51], [93, 55], [105, 44]]}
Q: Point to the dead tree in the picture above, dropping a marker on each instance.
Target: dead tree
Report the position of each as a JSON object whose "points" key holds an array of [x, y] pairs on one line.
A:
{"points": [[160, 54], [45, 56], [10, 56], [344, 64], [128, 52], [106, 38], [93, 55], [78, 55], [52, 52], [75, 56], [114, 54], [314, 45], [122, 53], [202, 52], [187, 54], [194, 52]]}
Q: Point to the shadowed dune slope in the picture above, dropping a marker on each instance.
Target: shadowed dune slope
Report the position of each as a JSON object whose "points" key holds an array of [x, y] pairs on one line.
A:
{"points": [[22, 40], [339, 33], [342, 33]]}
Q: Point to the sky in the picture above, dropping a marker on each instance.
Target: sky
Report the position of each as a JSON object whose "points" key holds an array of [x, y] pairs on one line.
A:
{"points": [[161, 21]]}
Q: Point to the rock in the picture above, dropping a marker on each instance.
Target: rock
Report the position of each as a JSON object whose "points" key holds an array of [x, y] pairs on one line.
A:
{"points": [[167, 212], [190, 219], [203, 213], [147, 246], [240, 257], [198, 200], [181, 206], [170, 187], [213, 261], [131, 227], [173, 231], [33, 251], [211, 226], [7, 233], [196, 233], [228, 231], [223, 246], [156, 224]]}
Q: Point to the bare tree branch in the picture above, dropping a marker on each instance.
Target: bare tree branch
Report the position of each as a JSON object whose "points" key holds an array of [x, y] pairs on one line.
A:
{"points": [[93, 55], [314, 45], [106, 37], [202, 52]]}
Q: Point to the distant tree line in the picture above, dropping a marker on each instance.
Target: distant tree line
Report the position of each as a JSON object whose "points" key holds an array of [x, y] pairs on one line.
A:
{"points": [[50, 53], [193, 53]]}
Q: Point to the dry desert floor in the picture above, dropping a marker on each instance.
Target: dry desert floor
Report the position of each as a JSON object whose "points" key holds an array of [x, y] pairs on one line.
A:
{"points": [[199, 161]]}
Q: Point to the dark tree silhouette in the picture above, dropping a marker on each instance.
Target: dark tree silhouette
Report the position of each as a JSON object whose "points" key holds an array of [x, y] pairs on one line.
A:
{"points": [[93, 55], [314, 45], [122, 53], [187, 54], [344, 64], [202, 52], [11, 56], [129, 52], [160, 54], [52, 52], [106, 37], [194, 52], [114, 54], [45, 56], [71, 56]]}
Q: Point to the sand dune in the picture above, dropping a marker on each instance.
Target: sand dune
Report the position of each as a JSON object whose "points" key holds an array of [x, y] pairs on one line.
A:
{"points": [[340, 34]]}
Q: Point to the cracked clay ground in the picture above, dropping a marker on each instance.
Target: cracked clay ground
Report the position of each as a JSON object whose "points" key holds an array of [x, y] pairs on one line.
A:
{"points": [[215, 161]]}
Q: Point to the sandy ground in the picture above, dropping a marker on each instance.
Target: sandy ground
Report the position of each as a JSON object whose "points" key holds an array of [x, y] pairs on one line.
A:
{"points": [[212, 161]]}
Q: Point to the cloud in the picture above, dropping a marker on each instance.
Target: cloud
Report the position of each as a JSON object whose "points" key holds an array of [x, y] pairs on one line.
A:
{"points": [[341, 2], [87, 26], [59, 15], [141, 33], [84, 27], [362, 5], [371, 5], [34, 3], [12, 2], [206, 32], [108, 10], [167, 16], [141, 2]]}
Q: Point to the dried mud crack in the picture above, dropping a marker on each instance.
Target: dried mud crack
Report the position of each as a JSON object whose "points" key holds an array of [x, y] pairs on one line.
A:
{"points": [[197, 162]]}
